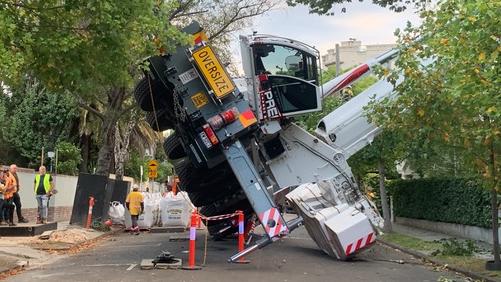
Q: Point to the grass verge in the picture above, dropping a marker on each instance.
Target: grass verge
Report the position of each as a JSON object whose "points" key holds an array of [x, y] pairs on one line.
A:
{"points": [[469, 263]]}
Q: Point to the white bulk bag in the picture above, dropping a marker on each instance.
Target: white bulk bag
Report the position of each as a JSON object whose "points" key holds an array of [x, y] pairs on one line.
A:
{"points": [[156, 209], [146, 218], [175, 211], [116, 212]]}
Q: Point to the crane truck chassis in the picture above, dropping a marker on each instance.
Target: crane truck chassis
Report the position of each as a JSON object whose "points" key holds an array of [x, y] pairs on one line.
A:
{"points": [[237, 148]]}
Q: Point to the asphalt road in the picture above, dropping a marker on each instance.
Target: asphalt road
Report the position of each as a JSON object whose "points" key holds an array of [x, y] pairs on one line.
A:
{"points": [[295, 258]]}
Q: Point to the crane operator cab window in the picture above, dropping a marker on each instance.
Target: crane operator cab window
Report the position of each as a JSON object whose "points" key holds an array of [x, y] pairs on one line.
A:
{"points": [[293, 77]]}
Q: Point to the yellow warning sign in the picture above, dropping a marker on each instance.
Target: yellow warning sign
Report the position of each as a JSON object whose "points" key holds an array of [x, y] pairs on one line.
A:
{"points": [[215, 75], [152, 169], [199, 100]]}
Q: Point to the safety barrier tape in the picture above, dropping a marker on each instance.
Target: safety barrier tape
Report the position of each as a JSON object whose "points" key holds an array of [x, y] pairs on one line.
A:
{"points": [[219, 217]]}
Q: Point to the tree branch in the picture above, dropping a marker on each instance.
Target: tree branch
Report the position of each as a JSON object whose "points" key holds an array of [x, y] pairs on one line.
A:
{"points": [[238, 17], [90, 109], [127, 109], [182, 7], [191, 13]]}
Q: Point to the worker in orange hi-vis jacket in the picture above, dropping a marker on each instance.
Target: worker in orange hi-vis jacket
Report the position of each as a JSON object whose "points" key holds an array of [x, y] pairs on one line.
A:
{"points": [[8, 196], [135, 205]]}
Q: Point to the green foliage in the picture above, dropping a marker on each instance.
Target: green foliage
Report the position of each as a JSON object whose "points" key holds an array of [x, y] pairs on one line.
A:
{"points": [[453, 103], [310, 121], [38, 118], [387, 147], [454, 247], [69, 158], [133, 166], [164, 170], [82, 46], [165, 167], [452, 200], [323, 7]]}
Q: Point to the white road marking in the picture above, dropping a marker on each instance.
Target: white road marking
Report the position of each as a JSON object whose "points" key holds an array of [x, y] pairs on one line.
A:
{"points": [[142, 245], [131, 266], [107, 264]]}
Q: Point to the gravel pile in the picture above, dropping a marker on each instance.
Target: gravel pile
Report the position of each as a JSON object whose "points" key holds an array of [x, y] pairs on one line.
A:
{"points": [[70, 236]]}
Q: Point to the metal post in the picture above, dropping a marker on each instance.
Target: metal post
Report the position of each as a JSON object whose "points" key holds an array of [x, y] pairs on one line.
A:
{"points": [[260, 244], [55, 168], [141, 172], [338, 63], [41, 163]]}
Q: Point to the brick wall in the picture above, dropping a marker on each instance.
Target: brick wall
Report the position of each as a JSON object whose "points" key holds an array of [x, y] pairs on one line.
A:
{"points": [[55, 214]]}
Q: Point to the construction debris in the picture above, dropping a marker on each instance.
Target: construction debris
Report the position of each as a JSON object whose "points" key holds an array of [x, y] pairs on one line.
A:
{"points": [[74, 235]]}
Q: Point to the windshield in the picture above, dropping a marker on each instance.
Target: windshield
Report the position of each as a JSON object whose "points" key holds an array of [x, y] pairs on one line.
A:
{"points": [[282, 60]]}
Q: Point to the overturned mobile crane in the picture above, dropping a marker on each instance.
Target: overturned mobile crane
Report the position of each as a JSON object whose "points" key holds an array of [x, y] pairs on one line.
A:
{"points": [[240, 150]]}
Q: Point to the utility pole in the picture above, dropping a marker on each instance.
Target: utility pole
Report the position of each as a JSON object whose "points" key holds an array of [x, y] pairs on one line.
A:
{"points": [[338, 63], [41, 163]]}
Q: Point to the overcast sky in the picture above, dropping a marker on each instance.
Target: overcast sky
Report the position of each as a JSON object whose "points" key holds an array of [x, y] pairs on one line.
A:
{"points": [[364, 21]]}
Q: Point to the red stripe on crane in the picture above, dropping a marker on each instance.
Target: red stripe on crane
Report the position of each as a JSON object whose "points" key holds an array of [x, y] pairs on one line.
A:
{"points": [[348, 249], [356, 73], [359, 243], [369, 239]]}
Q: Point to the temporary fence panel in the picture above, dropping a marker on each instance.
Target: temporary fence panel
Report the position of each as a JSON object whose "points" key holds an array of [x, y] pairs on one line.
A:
{"points": [[89, 185]]}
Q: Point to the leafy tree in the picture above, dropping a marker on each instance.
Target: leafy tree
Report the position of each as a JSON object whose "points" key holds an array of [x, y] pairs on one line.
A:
{"points": [[452, 102], [381, 157], [133, 165], [38, 118], [68, 158], [92, 49], [136, 160], [89, 48], [220, 20], [310, 121], [323, 7]]}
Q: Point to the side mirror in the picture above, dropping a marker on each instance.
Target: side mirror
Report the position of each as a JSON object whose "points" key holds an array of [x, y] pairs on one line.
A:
{"points": [[292, 62]]}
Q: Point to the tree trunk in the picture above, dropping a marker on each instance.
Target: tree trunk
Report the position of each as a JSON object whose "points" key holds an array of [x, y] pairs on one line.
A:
{"points": [[384, 199], [122, 141], [110, 117], [494, 206], [105, 153], [85, 141], [495, 225]]}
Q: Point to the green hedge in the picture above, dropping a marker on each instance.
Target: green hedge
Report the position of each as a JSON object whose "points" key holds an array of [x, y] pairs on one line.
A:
{"points": [[455, 200]]}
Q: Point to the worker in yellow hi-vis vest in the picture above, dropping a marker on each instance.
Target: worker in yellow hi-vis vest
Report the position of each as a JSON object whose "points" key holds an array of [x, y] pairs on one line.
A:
{"points": [[43, 187]]}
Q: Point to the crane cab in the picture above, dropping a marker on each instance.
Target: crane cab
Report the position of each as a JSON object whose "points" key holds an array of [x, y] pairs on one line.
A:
{"points": [[281, 75]]}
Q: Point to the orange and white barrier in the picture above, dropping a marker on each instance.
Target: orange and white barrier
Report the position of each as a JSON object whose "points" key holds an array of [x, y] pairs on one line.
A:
{"points": [[193, 238], [241, 237], [195, 222], [89, 214]]}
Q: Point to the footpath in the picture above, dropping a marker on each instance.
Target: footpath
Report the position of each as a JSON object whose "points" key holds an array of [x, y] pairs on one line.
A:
{"points": [[21, 253], [464, 256]]}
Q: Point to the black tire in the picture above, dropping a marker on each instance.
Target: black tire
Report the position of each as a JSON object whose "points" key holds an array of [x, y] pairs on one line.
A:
{"points": [[192, 179], [165, 121], [217, 195], [227, 204], [162, 96], [173, 147]]}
